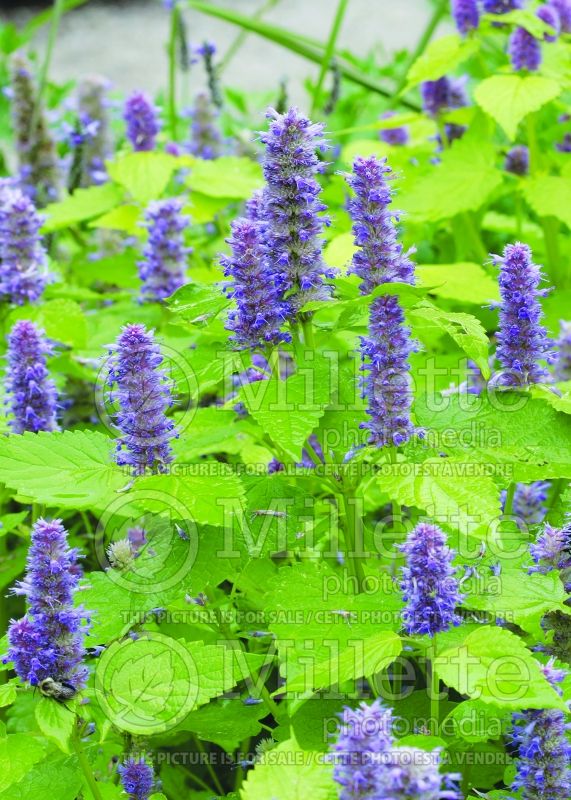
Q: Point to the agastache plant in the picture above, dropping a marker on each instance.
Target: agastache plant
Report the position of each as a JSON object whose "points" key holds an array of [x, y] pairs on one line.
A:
{"points": [[48, 642], [23, 261], [429, 584], [163, 267], [397, 137], [443, 94], [260, 310], [517, 160], [207, 51], [93, 106], [562, 367], [549, 14], [524, 50], [529, 502], [205, 139], [142, 120], [409, 772], [552, 551], [563, 8], [543, 770], [39, 169], [522, 340], [466, 15], [144, 395], [137, 778], [31, 394], [380, 259], [292, 240]]}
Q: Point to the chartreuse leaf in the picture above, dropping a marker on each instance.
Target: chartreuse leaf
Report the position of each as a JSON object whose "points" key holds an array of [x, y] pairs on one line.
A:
{"points": [[549, 196], [196, 302], [464, 281], [61, 778], [62, 320], [232, 177], [476, 721], [441, 57], [225, 722], [510, 98], [144, 175], [125, 218], [494, 665], [463, 181], [83, 204], [289, 773], [56, 721], [72, 469], [8, 694], [18, 754], [467, 331]]}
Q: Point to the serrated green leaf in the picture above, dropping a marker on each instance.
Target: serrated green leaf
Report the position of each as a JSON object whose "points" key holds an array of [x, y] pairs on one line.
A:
{"points": [[441, 57], [56, 721], [465, 282], [126, 218], [144, 175], [549, 196], [290, 774], [18, 754], [8, 694], [232, 177], [72, 469], [475, 721], [195, 303], [62, 320], [61, 778], [510, 98], [82, 205]]}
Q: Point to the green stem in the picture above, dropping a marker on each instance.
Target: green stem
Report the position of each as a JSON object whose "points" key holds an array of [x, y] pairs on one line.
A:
{"points": [[518, 204], [209, 768], [434, 694], [242, 36], [534, 156], [308, 334], [423, 42], [508, 505], [550, 227], [328, 53], [474, 236], [85, 765], [172, 50], [353, 558], [58, 10]]}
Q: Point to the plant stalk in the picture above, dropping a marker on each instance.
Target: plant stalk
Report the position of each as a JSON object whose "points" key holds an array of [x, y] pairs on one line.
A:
{"points": [[328, 53]]}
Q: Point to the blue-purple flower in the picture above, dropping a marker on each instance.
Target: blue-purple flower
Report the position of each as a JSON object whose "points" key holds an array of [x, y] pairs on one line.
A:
{"points": [[144, 395], [292, 240], [205, 139], [524, 50], [501, 6], [137, 778], [522, 340], [31, 394], [48, 642], [552, 551], [429, 584], [142, 119], [364, 736], [563, 8], [517, 160], [466, 15], [543, 770], [549, 14], [412, 773], [395, 136], [260, 310], [562, 368], [23, 262], [39, 170], [443, 94], [207, 51], [163, 268], [529, 500]]}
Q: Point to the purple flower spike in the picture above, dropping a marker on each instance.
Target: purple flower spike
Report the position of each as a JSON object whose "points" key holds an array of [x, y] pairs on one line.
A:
{"points": [[522, 340], [144, 396], [137, 778], [552, 551], [524, 50], [260, 311], [142, 119], [39, 169], [465, 14], [380, 257], [364, 736], [563, 8], [550, 15], [163, 268], [517, 160], [23, 275], [205, 139], [528, 505], [501, 6], [562, 367], [429, 586], [544, 753], [93, 107], [31, 395], [292, 242], [49, 641], [443, 94], [409, 772], [397, 137]]}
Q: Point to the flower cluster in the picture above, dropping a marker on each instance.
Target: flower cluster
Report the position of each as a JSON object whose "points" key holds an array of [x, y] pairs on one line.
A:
{"points": [[443, 94], [24, 275], [37, 157], [528, 505], [552, 551], [524, 50], [517, 160], [48, 642], [142, 119], [205, 139], [207, 51], [466, 15], [163, 268], [31, 394], [563, 9], [260, 311], [562, 368], [430, 588], [292, 243], [144, 396], [395, 136], [137, 778], [501, 6], [544, 753], [522, 340], [410, 772], [92, 105], [549, 14]]}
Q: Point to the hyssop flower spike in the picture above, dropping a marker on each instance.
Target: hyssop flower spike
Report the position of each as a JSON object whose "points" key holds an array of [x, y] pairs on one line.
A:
{"points": [[163, 268]]}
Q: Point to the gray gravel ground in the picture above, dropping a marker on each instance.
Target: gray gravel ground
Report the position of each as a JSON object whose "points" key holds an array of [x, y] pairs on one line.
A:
{"points": [[126, 40]]}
